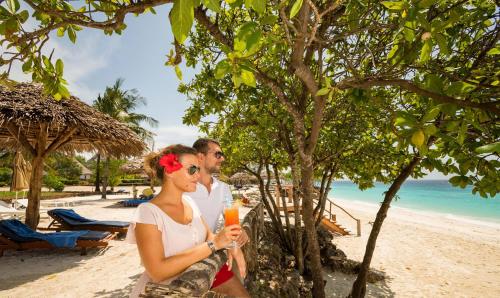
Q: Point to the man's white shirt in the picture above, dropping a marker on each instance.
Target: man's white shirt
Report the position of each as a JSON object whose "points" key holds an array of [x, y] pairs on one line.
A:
{"points": [[211, 204]]}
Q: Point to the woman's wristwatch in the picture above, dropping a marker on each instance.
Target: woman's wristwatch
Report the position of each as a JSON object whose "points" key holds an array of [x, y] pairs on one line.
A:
{"points": [[211, 245]]}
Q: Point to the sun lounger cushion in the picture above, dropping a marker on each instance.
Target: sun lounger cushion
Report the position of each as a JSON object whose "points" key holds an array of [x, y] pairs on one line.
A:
{"points": [[134, 202], [72, 218], [19, 232]]}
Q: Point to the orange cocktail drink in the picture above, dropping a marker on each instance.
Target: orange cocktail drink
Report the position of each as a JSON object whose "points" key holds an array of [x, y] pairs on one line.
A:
{"points": [[231, 216]]}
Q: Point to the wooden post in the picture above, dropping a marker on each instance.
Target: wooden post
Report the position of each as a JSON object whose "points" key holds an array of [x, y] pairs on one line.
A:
{"points": [[35, 191], [358, 226], [278, 196]]}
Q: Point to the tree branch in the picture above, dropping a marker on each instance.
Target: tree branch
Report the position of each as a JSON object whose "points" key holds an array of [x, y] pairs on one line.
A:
{"points": [[20, 138], [412, 87]]}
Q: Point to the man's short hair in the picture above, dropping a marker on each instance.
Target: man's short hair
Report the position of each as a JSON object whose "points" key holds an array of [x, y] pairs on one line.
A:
{"points": [[201, 145]]}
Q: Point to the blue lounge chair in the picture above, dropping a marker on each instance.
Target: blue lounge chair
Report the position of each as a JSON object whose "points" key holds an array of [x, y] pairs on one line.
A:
{"points": [[68, 219], [18, 236], [133, 202]]}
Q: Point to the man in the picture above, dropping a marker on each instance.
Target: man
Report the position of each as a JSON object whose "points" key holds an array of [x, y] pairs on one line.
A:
{"points": [[210, 196]]}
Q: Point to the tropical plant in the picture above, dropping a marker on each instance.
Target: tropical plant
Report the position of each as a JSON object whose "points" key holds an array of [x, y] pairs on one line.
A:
{"points": [[52, 181], [120, 105]]}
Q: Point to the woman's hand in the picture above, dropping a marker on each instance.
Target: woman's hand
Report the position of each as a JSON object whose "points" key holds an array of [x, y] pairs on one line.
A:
{"points": [[226, 236], [236, 254]]}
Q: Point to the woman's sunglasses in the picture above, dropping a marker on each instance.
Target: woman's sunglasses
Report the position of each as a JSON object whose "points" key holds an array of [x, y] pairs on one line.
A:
{"points": [[193, 170]]}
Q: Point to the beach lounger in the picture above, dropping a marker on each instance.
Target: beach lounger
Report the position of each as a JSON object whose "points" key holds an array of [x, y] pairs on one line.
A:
{"points": [[68, 219], [133, 202], [14, 235], [7, 212]]}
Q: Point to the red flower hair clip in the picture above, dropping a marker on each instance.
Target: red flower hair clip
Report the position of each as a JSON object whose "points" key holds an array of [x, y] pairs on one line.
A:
{"points": [[170, 163]]}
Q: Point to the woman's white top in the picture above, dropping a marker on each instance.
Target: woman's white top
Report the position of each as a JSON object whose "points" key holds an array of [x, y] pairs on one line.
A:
{"points": [[176, 237]]}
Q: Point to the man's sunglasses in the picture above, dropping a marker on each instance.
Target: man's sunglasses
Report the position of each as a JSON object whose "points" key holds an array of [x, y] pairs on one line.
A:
{"points": [[219, 154], [193, 170]]}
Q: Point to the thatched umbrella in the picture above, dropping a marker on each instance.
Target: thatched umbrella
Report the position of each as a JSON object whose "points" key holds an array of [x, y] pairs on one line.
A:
{"points": [[41, 125], [21, 173], [242, 178], [134, 166]]}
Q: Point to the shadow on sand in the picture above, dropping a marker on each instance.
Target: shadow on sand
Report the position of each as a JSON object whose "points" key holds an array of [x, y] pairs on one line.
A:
{"points": [[40, 263], [339, 285], [125, 292]]}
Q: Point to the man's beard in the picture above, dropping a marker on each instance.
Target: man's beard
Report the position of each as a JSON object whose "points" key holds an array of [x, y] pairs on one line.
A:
{"points": [[214, 170]]}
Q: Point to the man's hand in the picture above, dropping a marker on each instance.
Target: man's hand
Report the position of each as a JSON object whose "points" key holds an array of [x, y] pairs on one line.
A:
{"points": [[242, 239]]}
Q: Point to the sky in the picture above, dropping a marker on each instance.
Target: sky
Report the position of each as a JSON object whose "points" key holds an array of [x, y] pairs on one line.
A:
{"points": [[137, 56]]}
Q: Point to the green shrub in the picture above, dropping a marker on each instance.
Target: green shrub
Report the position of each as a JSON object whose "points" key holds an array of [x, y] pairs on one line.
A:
{"points": [[5, 176], [53, 182]]}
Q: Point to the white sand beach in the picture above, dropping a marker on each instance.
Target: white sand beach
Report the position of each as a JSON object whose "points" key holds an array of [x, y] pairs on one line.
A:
{"points": [[422, 255]]}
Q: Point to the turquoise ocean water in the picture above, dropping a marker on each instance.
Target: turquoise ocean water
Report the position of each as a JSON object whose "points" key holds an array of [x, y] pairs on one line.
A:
{"points": [[426, 195]]}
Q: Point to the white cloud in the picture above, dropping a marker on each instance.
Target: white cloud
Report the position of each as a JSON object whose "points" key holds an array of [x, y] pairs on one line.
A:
{"points": [[91, 53], [175, 134]]}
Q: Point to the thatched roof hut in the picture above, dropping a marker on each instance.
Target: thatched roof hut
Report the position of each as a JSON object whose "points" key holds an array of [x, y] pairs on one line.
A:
{"points": [[41, 125], [134, 166], [78, 126], [241, 178]]}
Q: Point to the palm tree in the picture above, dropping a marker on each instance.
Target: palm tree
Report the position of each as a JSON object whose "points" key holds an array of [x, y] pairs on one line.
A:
{"points": [[120, 105]]}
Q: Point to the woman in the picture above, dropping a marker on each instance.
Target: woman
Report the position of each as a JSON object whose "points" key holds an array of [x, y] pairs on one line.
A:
{"points": [[169, 231]]}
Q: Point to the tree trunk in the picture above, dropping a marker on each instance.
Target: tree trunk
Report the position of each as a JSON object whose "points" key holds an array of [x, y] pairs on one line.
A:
{"points": [[35, 193], [97, 174], [105, 178], [310, 227], [299, 252], [359, 286]]}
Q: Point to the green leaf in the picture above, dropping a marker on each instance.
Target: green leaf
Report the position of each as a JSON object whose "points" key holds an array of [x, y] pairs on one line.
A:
{"points": [[63, 91], [269, 20], [490, 148], [23, 16], [418, 138], [236, 80], [213, 5], [26, 66], [444, 49], [459, 88], [403, 118], [434, 83], [426, 3], [59, 67], [295, 8], [181, 19], [247, 39], [430, 129], [494, 51], [248, 78], [13, 5], [60, 31], [323, 91], [393, 51], [259, 6], [178, 72], [222, 69], [398, 5], [71, 34], [425, 53], [58, 96], [431, 114]]}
